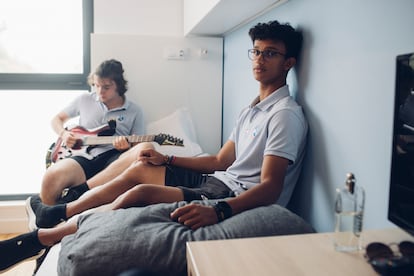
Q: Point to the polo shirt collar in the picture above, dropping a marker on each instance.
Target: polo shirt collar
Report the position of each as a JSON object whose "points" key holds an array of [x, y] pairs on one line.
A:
{"points": [[270, 100], [123, 107]]}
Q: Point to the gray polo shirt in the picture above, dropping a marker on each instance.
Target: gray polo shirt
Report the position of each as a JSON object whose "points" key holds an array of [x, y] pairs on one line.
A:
{"points": [[93, 114], [274, 126]]}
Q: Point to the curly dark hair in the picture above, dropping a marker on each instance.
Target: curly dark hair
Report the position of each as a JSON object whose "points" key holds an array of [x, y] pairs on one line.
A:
{"points": [[275, 31], [111, 69]]}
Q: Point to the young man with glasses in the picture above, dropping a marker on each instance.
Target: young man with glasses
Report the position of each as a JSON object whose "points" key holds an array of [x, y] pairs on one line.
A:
{"points": [[258, 165]]}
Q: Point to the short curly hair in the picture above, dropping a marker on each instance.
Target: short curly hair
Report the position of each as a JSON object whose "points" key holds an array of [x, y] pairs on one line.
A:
{"points": [[111, 69], [275, 31]]}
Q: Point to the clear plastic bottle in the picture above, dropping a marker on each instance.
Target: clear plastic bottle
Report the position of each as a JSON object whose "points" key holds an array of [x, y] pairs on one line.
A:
{"points": [[349, 213]]}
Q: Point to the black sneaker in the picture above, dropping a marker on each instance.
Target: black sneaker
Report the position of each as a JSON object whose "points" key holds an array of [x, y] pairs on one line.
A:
{"points": [[31, 203], [19, 249]]}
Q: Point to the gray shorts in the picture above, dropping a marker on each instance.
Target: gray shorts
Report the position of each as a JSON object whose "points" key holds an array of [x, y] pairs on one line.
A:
{"points": [[195, 185]]}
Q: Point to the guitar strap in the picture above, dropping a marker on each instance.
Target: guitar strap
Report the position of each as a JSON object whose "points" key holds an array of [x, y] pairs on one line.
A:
{"points": [[106, 132]]}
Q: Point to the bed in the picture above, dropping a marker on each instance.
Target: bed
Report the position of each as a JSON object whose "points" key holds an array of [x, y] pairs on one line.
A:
{"points": [[148, 239]]}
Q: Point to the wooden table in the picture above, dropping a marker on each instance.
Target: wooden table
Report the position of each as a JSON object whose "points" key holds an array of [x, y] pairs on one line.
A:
{"points": [[308, 254]]}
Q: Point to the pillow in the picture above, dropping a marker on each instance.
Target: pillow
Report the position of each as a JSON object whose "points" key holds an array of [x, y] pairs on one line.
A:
{"points": [[178, 124], [108, 243]]}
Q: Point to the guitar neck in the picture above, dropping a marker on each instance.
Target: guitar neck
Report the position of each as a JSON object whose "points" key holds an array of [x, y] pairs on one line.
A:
{"points": [[104, 140]]}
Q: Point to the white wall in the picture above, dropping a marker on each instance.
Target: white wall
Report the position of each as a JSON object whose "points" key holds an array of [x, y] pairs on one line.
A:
{"points": [[346, 85], [141, 17]]}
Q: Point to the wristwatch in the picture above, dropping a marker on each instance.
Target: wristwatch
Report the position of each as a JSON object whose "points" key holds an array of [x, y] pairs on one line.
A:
{"points": [[223, 210]]}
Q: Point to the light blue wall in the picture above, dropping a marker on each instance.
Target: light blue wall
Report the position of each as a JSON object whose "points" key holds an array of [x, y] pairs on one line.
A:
{"points": [[345, 82]]}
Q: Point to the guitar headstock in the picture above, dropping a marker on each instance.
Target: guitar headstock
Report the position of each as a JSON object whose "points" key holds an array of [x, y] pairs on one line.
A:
{"points": [[166, 139]]}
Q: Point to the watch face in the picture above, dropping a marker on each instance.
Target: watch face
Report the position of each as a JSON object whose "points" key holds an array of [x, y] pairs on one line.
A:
{"points": [[225, 208]]}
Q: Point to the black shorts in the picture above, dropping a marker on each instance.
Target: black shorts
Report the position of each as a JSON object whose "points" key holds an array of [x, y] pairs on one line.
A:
{"points": [[196, 186], [97, 164]]}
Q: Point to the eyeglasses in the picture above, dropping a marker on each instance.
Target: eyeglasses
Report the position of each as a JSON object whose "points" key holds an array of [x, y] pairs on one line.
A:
{"points": [[267, 54], [388, 262]]}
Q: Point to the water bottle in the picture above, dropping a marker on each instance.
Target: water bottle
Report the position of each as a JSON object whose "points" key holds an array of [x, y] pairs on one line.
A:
{"points": [[349, 214]]}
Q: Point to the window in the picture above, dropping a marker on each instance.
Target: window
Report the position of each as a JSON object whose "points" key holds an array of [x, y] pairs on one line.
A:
{"points": [[44, 64], [45, 45]]}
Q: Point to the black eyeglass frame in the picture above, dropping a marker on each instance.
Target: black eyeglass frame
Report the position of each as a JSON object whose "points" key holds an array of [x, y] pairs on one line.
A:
{"points": [[255, 54]]}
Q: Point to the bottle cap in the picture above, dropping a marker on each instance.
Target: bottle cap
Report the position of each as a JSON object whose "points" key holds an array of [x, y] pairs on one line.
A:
{"points": [[350, 182]]}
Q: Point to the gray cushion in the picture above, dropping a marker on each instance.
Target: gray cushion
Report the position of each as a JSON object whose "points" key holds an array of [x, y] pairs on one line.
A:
{"points": [[112, 242]]}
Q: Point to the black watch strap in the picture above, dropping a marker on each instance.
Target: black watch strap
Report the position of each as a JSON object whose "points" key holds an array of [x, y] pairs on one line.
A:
{"points": [[223, 210]]}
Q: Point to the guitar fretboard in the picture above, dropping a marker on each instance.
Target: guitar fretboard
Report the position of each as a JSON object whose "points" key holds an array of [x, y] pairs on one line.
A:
{"points": [[103, 140]]}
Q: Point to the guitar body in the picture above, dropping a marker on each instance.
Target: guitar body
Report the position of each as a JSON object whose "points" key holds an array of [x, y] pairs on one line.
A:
{"points": [[86, 139], [60, 151]]}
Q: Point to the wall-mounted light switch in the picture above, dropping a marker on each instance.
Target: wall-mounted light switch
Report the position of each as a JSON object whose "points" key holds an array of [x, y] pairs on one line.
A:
{"points": [[176, 53]]}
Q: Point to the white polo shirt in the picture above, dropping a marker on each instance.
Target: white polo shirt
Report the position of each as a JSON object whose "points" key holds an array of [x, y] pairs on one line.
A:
{"points": [[93, 113], [274, 126]]}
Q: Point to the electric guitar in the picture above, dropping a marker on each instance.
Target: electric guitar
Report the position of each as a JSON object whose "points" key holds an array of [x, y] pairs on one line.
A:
{"points": [[87, 139]]}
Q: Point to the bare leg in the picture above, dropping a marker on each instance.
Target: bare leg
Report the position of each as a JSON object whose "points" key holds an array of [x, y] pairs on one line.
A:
{"points": [[146, 194], [67, 173], [135, 174], [59, 176], [118, 166], [51, 236], [141, 195]]}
